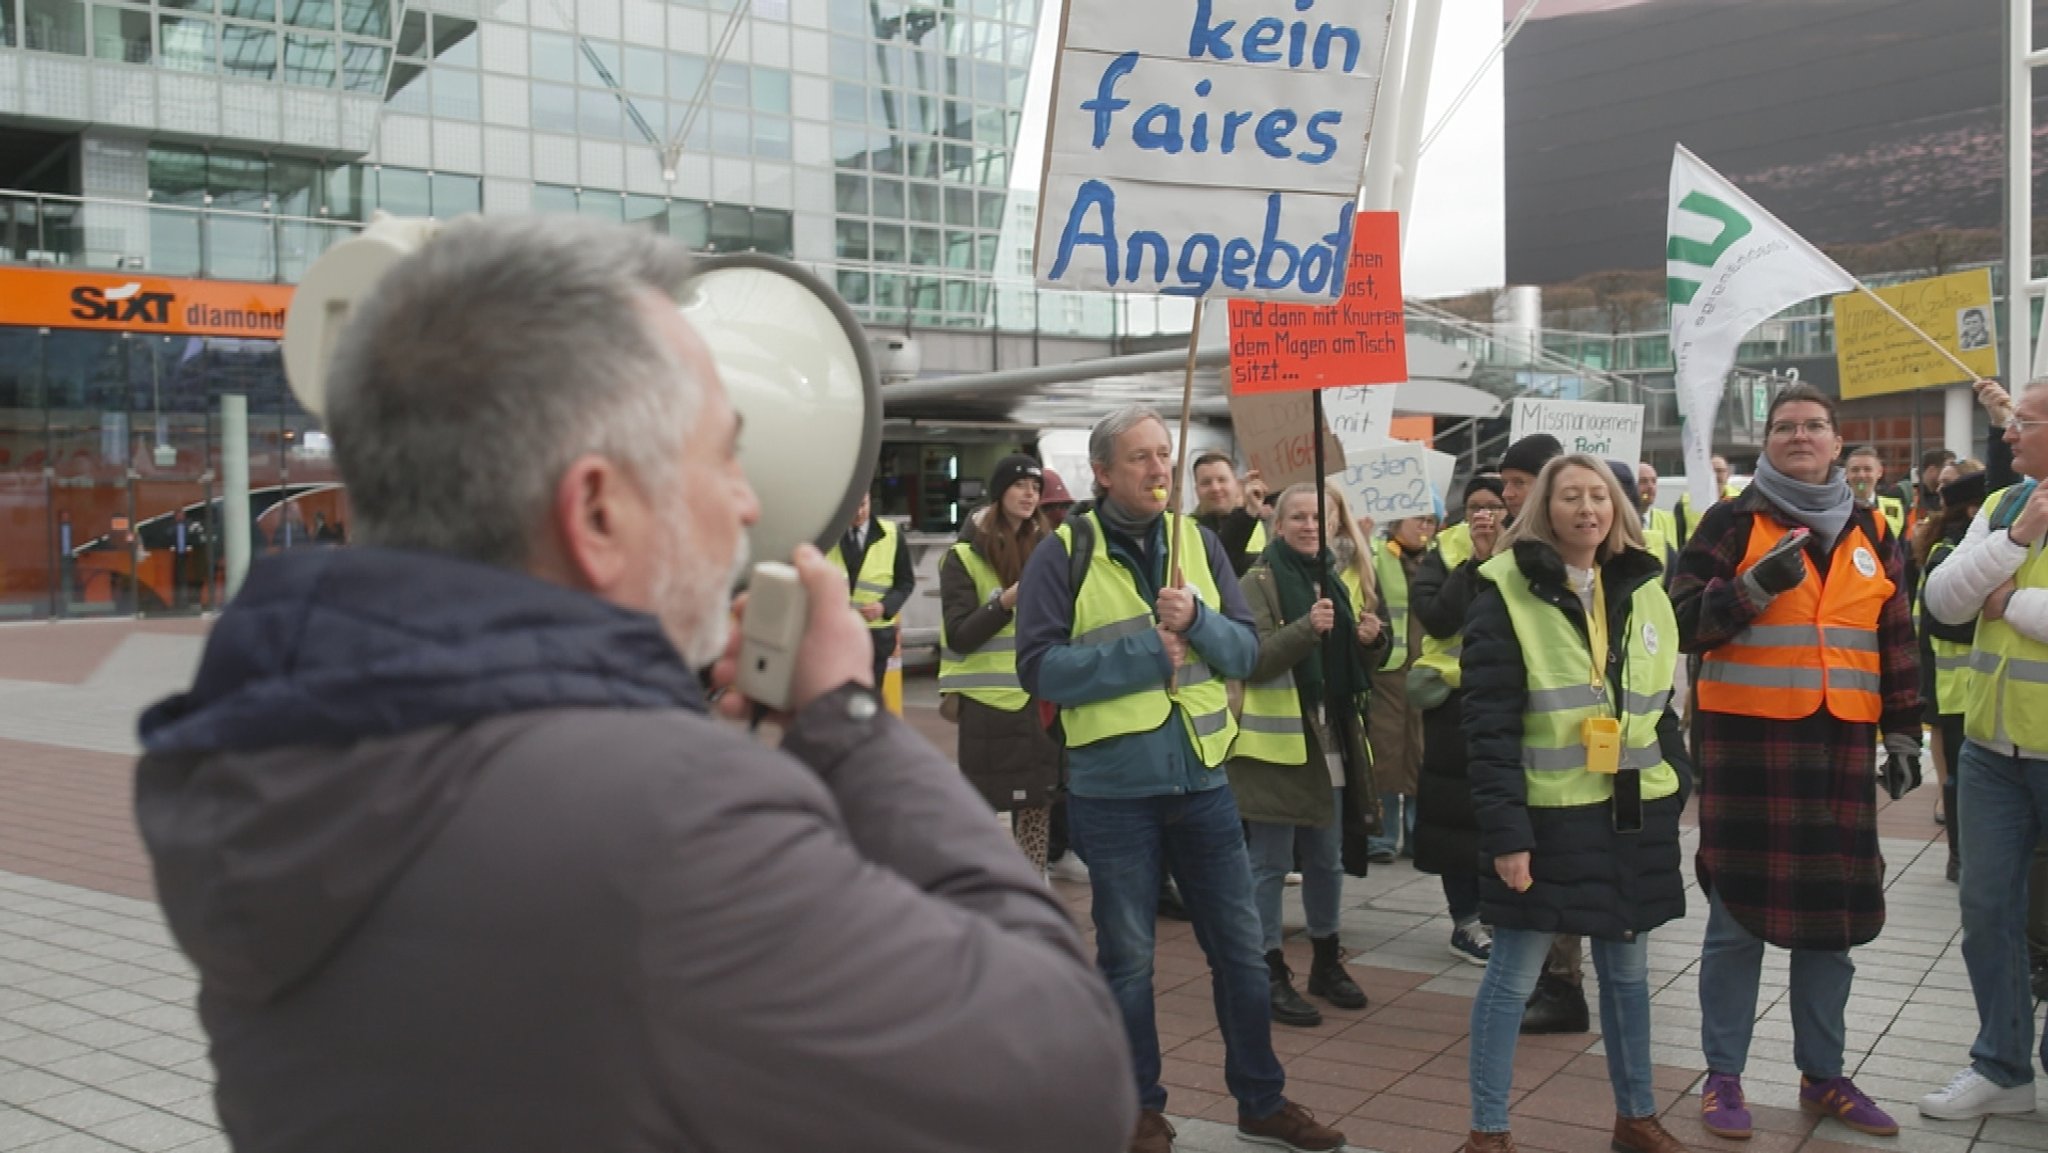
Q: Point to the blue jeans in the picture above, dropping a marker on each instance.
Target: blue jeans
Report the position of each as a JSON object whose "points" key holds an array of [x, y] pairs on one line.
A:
{"points": [[2004, 802], [1397, 818], [1624, 968], [1199, 836], [1731, 965], [1322, 873]]}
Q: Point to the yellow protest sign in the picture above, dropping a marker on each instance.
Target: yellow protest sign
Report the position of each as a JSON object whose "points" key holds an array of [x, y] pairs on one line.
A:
{"points": [[1876, 354]]}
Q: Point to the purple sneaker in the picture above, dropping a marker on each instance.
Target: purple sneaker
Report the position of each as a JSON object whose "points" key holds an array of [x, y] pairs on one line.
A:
{"points": [[1723, 1112], [1838, 1097]]}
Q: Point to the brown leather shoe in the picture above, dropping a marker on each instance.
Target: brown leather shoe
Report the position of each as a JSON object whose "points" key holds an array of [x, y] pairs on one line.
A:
{"points": [[1643, 1135], [1293, 1127], [1480, 1142], [1155, 1134]]}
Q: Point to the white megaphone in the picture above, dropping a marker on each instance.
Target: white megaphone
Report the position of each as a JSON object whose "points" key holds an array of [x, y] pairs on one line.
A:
{"points": [[794, 360]]}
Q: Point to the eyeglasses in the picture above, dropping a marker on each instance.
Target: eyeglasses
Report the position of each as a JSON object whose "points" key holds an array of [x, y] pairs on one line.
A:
{"points": [[1812, 428], [2014, 424]]}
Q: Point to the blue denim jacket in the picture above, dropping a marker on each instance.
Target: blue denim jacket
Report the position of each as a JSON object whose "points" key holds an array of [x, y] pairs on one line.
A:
{"points": [[1053, 668]]}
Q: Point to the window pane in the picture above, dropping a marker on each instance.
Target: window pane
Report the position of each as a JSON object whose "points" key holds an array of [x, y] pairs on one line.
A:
{"points": [[187, 5], [553, 57], [853, 240], [597, 64], [455, 195], [185, 45], [455, 41], [120, 34], [265, 10], [553, 198], [363, 66], [55, 25], [408, 89], [351, 190], [554, 108], [176, 175], [771, 137], [732, 228], [239, 180], [456, 95], [7, 33], [852, 194], [772, 231], [404, 192], [366, 17], [293, 184], [685, 75], [307, 14], [248, 52], [729, 133], [599, 114], [771, 90], [730, 86], [309, 60], [603, 205], [644, 69], [412, 35]]}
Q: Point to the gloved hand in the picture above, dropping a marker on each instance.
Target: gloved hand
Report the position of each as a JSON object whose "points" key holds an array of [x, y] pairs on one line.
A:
{"points": [[1781, 569], [1901, 765]]}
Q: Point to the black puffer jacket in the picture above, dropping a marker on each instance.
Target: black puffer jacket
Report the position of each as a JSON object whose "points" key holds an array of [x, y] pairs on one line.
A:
{"points": [[1589, 879], [1446, 832]]}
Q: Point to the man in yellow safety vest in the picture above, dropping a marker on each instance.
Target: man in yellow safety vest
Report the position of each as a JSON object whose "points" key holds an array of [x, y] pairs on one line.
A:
{"points": [[879, 577]]}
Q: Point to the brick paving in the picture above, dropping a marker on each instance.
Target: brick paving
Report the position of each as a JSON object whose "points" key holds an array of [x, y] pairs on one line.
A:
{"points": [[100, 1049]]}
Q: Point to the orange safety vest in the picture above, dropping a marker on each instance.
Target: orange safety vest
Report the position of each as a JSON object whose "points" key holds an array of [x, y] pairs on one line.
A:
{"points": [[1815, 645]]}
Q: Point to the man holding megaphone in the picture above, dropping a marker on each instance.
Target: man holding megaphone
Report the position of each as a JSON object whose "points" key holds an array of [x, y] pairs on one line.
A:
{"points": [[462, 856]]}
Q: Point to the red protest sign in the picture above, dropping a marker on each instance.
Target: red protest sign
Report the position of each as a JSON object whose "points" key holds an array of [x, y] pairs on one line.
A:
{"points": [[1276, 346]]}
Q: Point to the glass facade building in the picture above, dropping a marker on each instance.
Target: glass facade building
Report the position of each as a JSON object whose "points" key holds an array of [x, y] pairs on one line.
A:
{"points": [[236, 140]]}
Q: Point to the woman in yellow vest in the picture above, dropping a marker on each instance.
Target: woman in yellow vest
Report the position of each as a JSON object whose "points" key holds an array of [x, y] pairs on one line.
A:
{"points": [[1945, 648], [1005, 749], [1578, 775], [1301, 742], [1395, 723]]}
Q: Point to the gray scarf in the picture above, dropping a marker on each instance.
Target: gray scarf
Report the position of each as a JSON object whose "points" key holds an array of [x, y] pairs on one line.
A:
{"points": [[1823, 507]]}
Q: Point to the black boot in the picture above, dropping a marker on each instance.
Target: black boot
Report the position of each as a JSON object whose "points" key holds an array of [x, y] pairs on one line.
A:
{"points": [[1328, 979], [1288, 1007], [1556, 1007], [1170, 905]]}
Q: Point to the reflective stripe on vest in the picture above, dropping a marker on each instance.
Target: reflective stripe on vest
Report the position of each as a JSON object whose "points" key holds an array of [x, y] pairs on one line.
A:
{"points": [[1815, 646], [1270, 729], [1393, 582], [877, 573], [1952, 672], [1557, 662], [1454, 544], [2004, 696], [988, 674], [1108, 607]]}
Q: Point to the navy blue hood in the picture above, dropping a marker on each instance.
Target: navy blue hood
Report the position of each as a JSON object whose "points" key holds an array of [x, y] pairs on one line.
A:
{"points": [[332, 646]]}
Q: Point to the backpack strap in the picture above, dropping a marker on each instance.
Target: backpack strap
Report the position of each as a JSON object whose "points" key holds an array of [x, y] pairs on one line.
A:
{"points": [[2009, 507], [1080, 552]]}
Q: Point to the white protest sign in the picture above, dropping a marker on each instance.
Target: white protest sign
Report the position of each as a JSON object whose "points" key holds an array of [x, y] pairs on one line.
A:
{"points": [[1387, 484], [1209, 146], [1360, 415], [1443, 467], [1596, 428]]}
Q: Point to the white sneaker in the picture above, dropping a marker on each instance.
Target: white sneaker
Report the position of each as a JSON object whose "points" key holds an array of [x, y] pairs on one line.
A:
{"points": [[1292, 879], [1068, 868], [1972, 1095]]}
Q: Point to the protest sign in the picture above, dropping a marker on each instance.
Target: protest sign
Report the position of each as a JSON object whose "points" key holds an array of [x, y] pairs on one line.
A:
{"points": [[1213, 146], [1876, 354], [1596, 428], [1362, 339], [1360, 417], [1443, 468], [1273, 437], [1387, 483]]}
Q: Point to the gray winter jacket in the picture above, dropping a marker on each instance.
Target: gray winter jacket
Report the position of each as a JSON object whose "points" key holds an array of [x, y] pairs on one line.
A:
{"points": [[464, 866]]}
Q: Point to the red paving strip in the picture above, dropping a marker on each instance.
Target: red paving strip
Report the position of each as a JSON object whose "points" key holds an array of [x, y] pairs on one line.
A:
{"points": [[68, 818], [70, 652]]}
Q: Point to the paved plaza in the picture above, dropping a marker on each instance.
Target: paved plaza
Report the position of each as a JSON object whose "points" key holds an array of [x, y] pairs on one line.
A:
{"points": [[100, 1049]]}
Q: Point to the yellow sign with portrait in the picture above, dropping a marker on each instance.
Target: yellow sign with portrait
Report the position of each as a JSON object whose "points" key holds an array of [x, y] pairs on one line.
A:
{"points": [[1876, 354]]}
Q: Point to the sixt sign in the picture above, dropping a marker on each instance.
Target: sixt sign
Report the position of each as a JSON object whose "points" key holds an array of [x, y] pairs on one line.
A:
{"points": [[125, 304]]}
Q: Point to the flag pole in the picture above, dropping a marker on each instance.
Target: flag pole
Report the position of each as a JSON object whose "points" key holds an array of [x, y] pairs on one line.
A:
{"points": [[1187, 411], [1180, 470], [1968, 372]]}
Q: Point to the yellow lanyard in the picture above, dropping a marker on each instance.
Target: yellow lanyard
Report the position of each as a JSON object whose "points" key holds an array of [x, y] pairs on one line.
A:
{"points": [[1596, 634]]}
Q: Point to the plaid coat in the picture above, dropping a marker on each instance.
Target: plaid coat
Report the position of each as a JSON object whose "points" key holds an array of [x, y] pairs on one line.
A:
{"points": [[1788, 809]]}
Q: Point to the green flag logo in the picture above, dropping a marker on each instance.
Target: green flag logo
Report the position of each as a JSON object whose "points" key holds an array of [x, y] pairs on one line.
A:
{"points": [[1734, 226]]}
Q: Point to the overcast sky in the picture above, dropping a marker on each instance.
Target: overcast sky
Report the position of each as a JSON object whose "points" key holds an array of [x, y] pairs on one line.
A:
{"points": [[1457, 235]]}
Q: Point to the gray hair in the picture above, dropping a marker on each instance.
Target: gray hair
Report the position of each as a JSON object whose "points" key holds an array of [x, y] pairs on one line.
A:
{"points": [[488, 362], [1102, 440]]}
